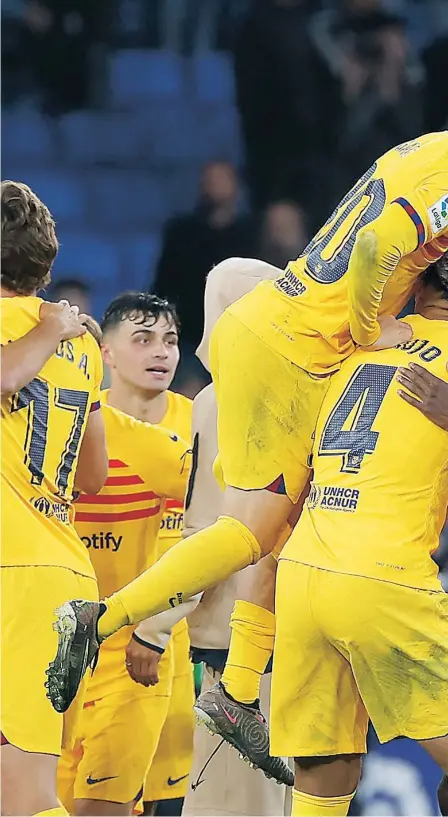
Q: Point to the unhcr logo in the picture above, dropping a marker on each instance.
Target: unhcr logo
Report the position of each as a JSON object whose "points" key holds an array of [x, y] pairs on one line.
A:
{"points": [[333, 498]]}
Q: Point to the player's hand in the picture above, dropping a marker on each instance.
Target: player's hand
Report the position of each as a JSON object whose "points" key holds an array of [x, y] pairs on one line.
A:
{"points": [[429, 394], [63, 319], [393, 332], [142, 663]]}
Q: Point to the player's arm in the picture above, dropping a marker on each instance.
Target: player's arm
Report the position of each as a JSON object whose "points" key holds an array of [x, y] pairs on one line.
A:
{"points": [[23, 359], [378, 248], [149, 641], [93, 463]]}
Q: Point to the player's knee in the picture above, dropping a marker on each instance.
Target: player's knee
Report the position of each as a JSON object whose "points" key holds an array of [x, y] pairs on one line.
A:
{"points": [[442, 795], [340, 771]]}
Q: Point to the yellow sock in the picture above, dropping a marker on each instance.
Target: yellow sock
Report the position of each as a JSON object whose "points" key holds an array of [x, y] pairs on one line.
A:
{"points": [[307, 805], [53, 812], [251, 646], [203, 560]]}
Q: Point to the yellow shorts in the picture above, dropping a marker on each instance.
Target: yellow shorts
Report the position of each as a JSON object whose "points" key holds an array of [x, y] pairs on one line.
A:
{"points": [[170, 770], [267, 412], [348, 649], [116, 741], [29, 596]]}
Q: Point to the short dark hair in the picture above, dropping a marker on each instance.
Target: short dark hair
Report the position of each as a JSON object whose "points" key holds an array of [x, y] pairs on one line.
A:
{"points": [[139, 307], [437, 275], [29, 243]]}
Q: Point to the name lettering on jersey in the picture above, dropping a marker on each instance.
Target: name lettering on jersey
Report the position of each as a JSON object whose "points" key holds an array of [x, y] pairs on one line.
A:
{"points": [[333, 498], [426, 351], [290, 284], [408, 147], [59, 510], [438, 214], [66, 351], [102, 541]]}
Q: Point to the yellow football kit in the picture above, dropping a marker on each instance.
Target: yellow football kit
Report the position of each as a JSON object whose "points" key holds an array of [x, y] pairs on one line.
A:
{"points": [[168, 775], [122, 720], [42, 559], [361, 615], [364, 262]]}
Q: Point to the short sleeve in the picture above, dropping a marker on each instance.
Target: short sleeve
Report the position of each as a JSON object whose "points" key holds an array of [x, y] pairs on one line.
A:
{"points": [[164, 460]]}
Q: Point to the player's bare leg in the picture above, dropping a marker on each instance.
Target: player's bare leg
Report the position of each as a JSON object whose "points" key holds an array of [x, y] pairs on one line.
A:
{"points": [[17, 767], [325, 785], [437, 748], [251, 647], [238, 719], [442, 795], [102, 808]]}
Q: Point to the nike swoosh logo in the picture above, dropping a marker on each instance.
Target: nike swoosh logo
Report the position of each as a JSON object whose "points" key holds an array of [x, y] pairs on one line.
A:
{"points": [[172, 782], [92, 780], [231, 718], [174, 439]]}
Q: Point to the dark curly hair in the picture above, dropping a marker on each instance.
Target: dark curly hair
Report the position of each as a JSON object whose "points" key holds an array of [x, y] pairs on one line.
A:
{"points": [[29, 244], [140, 307], [437, 275]]}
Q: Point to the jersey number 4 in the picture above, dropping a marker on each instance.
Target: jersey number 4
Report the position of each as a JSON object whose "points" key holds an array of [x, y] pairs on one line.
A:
{"points": [[348, 431], [35, 397]]}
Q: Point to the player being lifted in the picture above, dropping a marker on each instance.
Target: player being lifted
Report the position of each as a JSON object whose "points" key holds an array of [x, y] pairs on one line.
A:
{"points": [[52, 442], [361, 614], [271, 355]]}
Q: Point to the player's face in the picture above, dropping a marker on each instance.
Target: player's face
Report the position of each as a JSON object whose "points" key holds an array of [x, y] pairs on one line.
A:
{"points": [[144, 355]]}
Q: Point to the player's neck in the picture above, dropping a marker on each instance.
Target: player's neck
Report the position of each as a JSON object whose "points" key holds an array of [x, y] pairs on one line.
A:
{"points": [[8, 293], [435, 311], [150, 407]]}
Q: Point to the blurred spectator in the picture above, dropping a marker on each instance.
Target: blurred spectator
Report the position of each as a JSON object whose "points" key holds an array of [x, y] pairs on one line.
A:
{"points": [[283, 234], [435, 99], [193, 244], [49, 42], [367, 51], [286, 102], [76, 292], [191, 376]]}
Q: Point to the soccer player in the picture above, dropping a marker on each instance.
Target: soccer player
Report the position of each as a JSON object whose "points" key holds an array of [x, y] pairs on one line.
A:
{"points": [[221, 784], [52, 442], [271, 355], [361, 614], [122, 720]]}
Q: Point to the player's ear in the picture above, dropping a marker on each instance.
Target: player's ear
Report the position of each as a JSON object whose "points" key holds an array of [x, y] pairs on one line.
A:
{"points": [[107, 354]]}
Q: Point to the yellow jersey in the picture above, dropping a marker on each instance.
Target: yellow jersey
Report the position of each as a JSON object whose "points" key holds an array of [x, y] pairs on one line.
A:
{"points": [[120, 525], [42, 430], [306, 314], [178, 419], [379, 495]]}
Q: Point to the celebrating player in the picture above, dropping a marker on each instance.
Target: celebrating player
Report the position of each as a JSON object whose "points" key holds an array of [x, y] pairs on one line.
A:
{"points": [[271, 353], [361, 614], [122, 720], [52, 442]]}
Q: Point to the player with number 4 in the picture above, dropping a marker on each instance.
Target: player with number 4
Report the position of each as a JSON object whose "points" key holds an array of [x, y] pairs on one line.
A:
{"points": [[272, 354]]}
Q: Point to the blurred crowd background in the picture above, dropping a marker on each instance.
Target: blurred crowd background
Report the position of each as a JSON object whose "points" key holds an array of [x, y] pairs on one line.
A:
{"points": [[167, 135]]}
